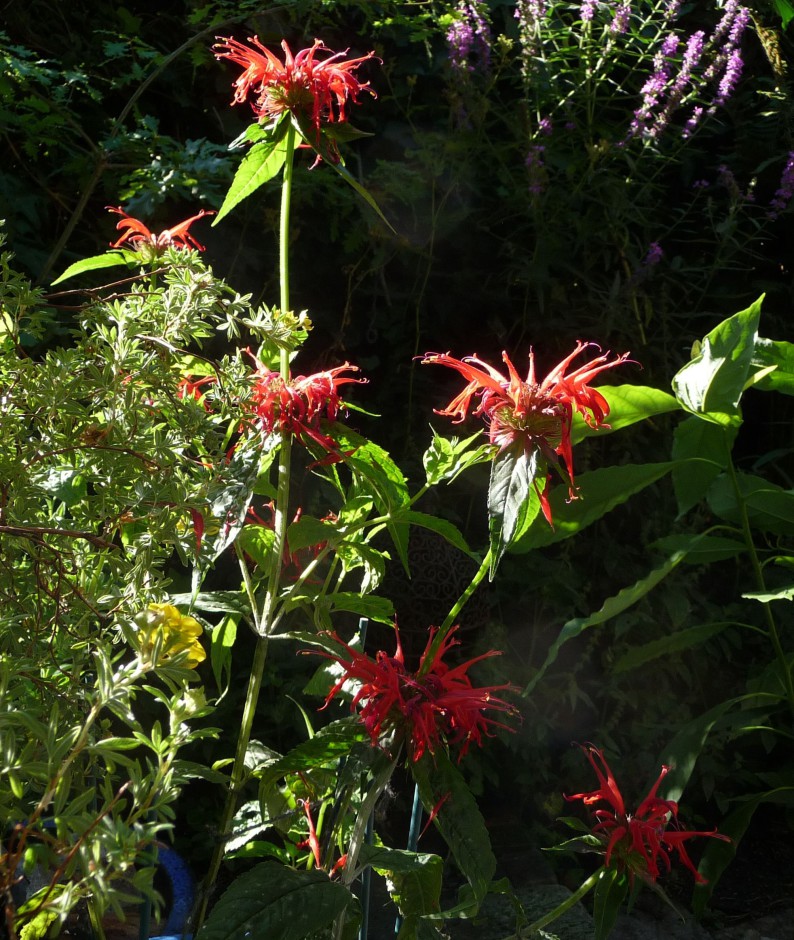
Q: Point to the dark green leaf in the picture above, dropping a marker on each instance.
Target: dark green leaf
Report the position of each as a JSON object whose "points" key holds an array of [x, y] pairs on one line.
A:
{"points": [[718, 854], [326, 747], [510, 509], [458, 819], [611, 608], [785, 10], [711, 384], [276, 902], [769, 507], [666, 645], [413, 878], [695, 438], [444, 528], [610, 892], [709, 548], [599, 492]]}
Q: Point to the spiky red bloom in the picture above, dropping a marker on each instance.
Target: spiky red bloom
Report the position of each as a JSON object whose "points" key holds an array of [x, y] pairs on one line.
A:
{"points": [[297, 406], [302, 84], [436, 705], [637, 841], [532, 414], [137, 235]]}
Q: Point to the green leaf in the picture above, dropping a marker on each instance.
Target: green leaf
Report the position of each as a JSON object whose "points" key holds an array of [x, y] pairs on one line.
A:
{"points": [[609, 894], [262, 162], [444, 528], [600, 491], [780, 356], [711, 384], [458, 819], [769, 507], [628, 404], [110, 259], [445, 458], [666, 645], [326, 747], [683, 751], [215, 602], [784, 594], [611, 608], [718, 854], [308, 532], [785, 10], [694, 439], [413, 878], [276, 902], [709, 548], [510, 510], [223, 637]]}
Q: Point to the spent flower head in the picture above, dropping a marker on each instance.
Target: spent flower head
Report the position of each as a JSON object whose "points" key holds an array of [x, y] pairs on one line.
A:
{"points": [[435, 706], [637, 842], [298, 405]]}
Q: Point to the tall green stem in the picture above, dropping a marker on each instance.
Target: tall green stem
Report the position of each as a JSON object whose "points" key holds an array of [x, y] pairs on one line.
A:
{"points": [[758, 573], [558, 911], [457, 607], [264, 622]]}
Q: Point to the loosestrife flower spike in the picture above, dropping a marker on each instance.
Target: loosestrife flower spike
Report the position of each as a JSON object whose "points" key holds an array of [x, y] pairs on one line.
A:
{"points": [[532, 414], [303, 84], [138, 236], [436, 706], [637, 842]]}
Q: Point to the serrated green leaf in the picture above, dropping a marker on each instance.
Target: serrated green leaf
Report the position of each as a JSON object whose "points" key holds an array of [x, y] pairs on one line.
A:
{"points": [[445, 458], [413, 878], [711, 384], [326, 747], [262, 162], [441, 526], [110, 259], [599, 492], [510, 509], [458, 819], [276, 902]]}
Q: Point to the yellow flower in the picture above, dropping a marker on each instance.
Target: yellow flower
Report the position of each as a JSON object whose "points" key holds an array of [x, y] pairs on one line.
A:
{"points": [[176, 633]]}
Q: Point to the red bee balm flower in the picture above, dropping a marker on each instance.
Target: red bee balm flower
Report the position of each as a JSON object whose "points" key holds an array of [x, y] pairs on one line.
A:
{"points": [[136, 235], [637, 841], [532, 414], [437, 705], [301, 84], [298, 406]]}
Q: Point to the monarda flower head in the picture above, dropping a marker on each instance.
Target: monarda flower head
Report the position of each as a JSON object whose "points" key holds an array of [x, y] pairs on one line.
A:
{"points": [[637, 842], [435, 706], [139, 238], [532, 415], [311, 88], [298, 405]]}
